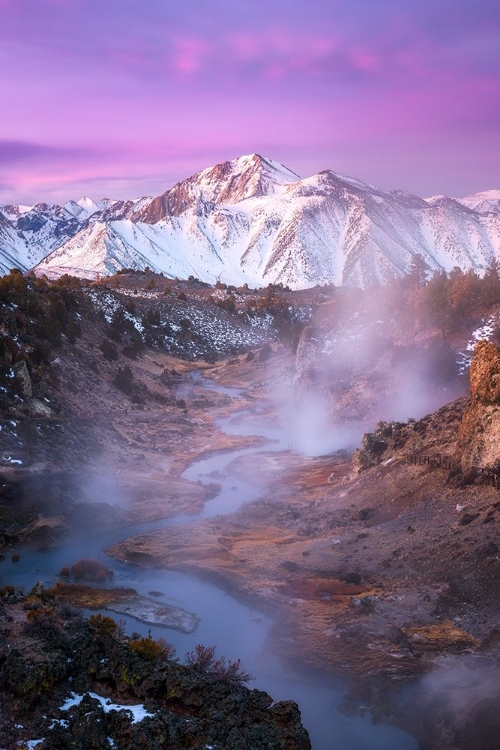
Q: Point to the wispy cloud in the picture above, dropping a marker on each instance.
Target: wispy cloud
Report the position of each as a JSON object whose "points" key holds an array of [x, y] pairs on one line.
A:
{"points": [[18, 152], [190, 54]]}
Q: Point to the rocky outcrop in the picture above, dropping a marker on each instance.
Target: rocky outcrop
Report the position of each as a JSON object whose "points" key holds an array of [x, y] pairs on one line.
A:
{"points": [[375, 445], [479, 434], [38, 408], [485, 374], [83, 684]]}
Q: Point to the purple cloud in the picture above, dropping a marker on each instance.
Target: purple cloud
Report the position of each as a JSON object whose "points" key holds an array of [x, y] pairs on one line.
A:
{"points": [[130, 95], [18, 152]]}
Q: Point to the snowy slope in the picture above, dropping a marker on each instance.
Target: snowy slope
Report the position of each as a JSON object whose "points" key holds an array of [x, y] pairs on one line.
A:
{"points": [[13, 212], [39, 228], [227, 183], [13, 252], [253, 220], [85, 207], [102, 247], [42, 228], [485, 202]]}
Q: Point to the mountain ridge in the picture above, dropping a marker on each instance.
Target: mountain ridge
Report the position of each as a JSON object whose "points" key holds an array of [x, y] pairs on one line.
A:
{"points": [[252, 220]]}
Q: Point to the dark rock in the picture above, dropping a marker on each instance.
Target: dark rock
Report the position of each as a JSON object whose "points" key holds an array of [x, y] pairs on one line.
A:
{"points": [[65, 654], [354, 578], [488, 550]]}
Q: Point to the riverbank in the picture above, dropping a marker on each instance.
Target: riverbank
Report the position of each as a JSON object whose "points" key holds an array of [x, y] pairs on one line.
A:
{"points": [[69, 682], [362, 570], [240, 631], [358, 567]]}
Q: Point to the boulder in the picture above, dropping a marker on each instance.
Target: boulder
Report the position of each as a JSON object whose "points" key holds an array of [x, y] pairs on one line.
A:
{"points": [[23, 376], [39, 408]]}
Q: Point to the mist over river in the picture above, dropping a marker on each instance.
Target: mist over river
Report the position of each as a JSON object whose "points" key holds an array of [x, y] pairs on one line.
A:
{"points": [[238, 630]]}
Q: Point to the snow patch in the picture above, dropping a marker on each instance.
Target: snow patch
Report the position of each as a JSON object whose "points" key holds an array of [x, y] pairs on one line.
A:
{"points": [[138, 712], [485, 331]]}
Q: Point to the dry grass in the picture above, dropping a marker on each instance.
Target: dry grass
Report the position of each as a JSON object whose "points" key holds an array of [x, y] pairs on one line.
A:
{"points": [[88, 596]]}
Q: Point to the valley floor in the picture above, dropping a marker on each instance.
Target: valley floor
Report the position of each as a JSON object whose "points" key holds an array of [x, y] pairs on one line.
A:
{"points": [[389, 574]]}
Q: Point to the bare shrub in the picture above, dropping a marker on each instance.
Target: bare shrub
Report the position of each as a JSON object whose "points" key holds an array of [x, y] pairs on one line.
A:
{"points": [[230, 673], [89, 569], [102, 623], [169, 651], [109, 350], [146, 647], [201, 659], [43, 623]]}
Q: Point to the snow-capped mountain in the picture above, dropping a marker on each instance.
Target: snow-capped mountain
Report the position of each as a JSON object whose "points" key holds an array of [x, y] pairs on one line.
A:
{"points": [[253, 220], [38, 230], [225, 184], [12, 213], [486, 202], [86, 207], [13, 252]]}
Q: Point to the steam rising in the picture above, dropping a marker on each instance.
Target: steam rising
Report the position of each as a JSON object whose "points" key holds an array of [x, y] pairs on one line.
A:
{"points": [[461, 696], [355, 367], [461, 684], [310, 429]]}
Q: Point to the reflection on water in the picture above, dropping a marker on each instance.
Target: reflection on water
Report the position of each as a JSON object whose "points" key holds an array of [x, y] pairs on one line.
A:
{"points": [[237, 630]]}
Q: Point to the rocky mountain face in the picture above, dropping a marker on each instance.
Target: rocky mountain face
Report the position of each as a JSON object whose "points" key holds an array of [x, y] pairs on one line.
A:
{"points": [[227, 183], [479, 436], [13, 248], [252, 220]]}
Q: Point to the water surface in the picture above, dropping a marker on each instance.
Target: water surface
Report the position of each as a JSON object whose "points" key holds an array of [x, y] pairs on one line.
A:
{"points": [[238, 631]]}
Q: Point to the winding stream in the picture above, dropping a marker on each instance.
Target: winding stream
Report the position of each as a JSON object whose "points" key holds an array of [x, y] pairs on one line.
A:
{"points": [[239, 631]]}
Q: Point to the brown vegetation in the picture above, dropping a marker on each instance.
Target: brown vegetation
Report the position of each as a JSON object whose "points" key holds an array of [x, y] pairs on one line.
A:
{"points": [[89, 597], [87, 570]]}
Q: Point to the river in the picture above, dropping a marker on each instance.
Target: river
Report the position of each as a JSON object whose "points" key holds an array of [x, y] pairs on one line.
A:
{"points": [[238, 630]]}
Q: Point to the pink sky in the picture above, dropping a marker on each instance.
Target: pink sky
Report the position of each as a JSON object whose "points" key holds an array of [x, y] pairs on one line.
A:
{"points": [[123, 98]]}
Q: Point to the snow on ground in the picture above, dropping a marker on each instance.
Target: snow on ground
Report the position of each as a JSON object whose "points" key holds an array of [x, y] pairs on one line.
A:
{"points": [[220, 332], [210, 328], [109, 304], [138, 712], [332, 340], [484, 331]]}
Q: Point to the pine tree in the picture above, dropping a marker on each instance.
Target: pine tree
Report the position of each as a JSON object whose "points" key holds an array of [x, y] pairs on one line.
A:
{"points": [[417, 275], [490, 285]]}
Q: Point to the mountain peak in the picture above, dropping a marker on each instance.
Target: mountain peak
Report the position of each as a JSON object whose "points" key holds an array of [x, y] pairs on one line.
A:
{"points": [[487, 201], [257, 161], [255, 221], [86, 207], [85, 202], [227, 183], [491, 195], [248, 176]]}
